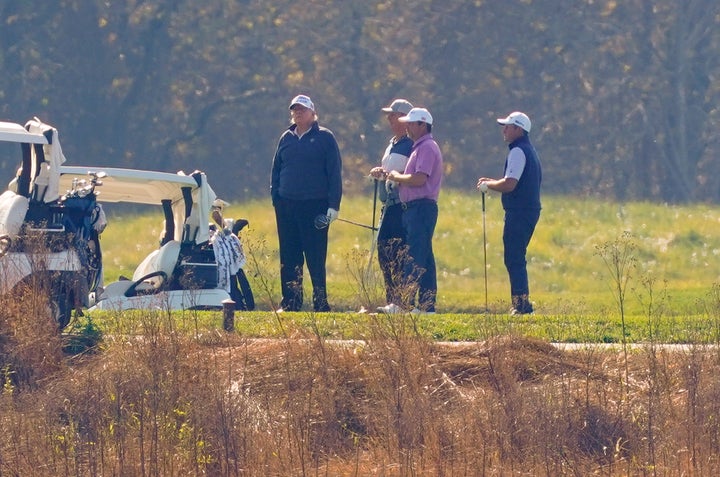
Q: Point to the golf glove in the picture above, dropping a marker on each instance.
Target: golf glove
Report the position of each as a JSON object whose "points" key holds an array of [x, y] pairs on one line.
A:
{"points": [[332, 214]]}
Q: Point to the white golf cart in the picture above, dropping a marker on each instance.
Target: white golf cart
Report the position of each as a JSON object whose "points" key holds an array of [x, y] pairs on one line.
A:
{"points": [[45, 244], [50, 221], [182, 272]]}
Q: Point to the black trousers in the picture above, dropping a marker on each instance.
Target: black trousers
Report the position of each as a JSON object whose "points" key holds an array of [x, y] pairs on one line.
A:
{"points": [[392, 251], [419, 219], [300, 242], [517, 232]]}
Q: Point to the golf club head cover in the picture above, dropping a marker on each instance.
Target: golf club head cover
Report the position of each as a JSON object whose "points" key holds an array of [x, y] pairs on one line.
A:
{"points": [[239, 225]]}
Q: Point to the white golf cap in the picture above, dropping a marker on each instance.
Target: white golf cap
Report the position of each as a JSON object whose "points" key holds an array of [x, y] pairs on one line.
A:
{"points": [[302, 100], [518, 119], [399, 106], [417, 114]]}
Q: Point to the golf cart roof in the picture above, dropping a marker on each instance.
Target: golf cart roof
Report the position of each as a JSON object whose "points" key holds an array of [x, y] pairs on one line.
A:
{"points": [[132, 186], [13, 132], [186, 199]]}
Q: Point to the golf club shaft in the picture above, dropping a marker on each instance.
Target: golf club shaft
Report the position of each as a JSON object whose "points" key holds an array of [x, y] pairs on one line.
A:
{"points": [[484, 252], [375, 195], [356, 223], [373, 244]]}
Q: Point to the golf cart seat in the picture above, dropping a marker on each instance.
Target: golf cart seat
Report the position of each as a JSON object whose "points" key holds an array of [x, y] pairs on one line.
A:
{"points": [[151, 276]]}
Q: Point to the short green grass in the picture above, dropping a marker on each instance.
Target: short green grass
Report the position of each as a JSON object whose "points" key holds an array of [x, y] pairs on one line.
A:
{"points": [[676, 250]]}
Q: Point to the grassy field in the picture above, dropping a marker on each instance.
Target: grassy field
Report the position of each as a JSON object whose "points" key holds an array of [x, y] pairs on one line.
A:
{"points": [[674, 252], [154, 393]]}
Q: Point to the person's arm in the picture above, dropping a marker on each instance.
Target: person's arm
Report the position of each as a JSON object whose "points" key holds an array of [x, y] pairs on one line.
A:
{"points": [[513, 171], [504, 185], [275, 174], [416, 179], [333, 165]]}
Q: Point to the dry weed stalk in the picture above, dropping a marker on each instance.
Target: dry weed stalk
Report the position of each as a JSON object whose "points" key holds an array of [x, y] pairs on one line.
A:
{"points": [[396, 404]]}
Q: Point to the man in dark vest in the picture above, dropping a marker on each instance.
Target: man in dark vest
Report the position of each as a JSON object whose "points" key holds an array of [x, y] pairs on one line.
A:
{"points": [[520, 188]]}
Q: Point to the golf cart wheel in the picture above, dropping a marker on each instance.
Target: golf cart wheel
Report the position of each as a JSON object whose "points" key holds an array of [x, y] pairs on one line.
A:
{"points": [[163, 279], [5, 242]]}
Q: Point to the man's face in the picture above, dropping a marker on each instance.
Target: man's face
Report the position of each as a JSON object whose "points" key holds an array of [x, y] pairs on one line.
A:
{"points": [[416, 129], [302, 116], [511, 132], [395, 126], [392, 119]]}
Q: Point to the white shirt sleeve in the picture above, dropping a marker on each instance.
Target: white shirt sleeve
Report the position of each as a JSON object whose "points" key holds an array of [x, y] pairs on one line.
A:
{"points": [[515, 164]]}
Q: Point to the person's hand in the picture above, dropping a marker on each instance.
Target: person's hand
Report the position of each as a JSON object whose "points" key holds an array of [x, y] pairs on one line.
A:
{"points": [[332, 214], [482, 184], [378, 173], [392, 176]]}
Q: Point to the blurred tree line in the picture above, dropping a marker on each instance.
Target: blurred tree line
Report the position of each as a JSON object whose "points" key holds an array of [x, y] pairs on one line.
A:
{"points": [[623, 95]]}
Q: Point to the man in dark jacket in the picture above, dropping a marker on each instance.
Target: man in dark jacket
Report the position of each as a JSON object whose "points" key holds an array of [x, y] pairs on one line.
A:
{"points": [[306, 182], [520, 187]]}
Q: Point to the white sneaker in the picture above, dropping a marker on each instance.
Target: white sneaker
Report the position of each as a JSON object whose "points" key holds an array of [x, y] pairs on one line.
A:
{"points": [[390, 309], [418, 311]]}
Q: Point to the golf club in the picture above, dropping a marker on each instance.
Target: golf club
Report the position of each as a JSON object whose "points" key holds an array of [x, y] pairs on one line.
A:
{"points": [[484, 251], [322, 221], [373, 244]]}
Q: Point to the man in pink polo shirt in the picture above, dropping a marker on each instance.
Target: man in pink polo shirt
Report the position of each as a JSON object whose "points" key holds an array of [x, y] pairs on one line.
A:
{"points": [[419, 190]]}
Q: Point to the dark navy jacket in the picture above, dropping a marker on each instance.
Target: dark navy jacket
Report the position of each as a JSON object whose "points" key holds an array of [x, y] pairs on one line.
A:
{"points": [[307, 168], [527, 192]]}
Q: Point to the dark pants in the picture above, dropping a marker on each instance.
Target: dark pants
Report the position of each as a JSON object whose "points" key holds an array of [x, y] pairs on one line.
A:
{"points": [[301, 241], [517, 232], [391, 251], [419, 220]]}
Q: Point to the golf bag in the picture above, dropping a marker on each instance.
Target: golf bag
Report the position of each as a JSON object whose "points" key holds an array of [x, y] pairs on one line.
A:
{"points": [[240, 290]]}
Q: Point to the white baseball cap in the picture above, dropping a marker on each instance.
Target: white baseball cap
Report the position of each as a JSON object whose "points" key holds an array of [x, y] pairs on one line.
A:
{"points": [[417, 114], [399, 106], [518, 119], [302, 100]]}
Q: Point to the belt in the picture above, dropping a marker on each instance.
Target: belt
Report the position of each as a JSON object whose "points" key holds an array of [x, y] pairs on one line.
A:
{"points": [[391, 202], [416, 202]]}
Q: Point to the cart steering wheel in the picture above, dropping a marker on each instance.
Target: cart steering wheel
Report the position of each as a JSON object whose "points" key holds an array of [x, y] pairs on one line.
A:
{"points": [[159, 273]]}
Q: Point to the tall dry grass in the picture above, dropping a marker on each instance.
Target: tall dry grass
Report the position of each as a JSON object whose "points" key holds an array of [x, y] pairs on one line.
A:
{"points": [[163, 402], [396, 404]]}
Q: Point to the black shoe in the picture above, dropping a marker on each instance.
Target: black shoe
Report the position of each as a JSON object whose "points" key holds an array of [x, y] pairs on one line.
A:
{"points": [[525, 310], [290, 304]]}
